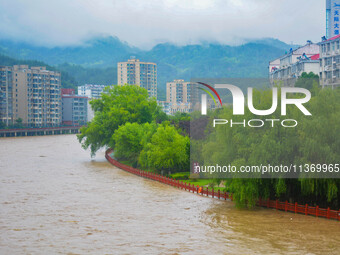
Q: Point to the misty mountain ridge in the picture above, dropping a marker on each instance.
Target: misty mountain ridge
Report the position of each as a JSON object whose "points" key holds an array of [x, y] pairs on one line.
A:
{"points": [[96, 52], [106, 51], [96, 60]]}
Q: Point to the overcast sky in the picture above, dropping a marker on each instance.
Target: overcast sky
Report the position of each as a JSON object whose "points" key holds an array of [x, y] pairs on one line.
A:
{"points": [[145, 23]]}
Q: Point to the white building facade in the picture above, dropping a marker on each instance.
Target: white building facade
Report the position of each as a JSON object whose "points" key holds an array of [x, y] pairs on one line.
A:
{"points": [[330, 62], [294, 63], [91, 91], [178, 93]]}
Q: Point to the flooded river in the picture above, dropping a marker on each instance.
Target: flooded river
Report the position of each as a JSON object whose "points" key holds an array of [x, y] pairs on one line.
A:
{"points": [[55, 199]]}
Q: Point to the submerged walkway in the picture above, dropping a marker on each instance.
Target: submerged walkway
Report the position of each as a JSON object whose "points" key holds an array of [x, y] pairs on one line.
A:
{"points": [[275, 204]]}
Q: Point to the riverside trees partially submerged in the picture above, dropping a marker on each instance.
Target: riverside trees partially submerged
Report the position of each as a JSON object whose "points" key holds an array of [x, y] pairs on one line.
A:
{"points": [[139, 132], [132, 124], [314, 141]]}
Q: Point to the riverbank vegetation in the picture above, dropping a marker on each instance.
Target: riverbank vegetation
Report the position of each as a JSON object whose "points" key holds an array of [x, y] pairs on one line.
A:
{"points": [[315, 140], [132, 124], [144, 137]]}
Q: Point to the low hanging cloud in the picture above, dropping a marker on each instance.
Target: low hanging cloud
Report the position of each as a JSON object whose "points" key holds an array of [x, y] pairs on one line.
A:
{"points": [[145, 23]]}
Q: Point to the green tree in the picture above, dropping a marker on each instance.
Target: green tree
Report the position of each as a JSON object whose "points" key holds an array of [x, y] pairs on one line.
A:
{"points": [[130, 138], [316, 140], [120, 104], [18, 123], [307, 80], [167, 150]]}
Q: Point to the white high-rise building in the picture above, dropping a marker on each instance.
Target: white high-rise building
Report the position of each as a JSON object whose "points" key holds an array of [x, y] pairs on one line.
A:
{"points": [[143, 74], [178, 94]]}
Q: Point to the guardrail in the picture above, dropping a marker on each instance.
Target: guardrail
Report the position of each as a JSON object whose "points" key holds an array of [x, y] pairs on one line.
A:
{"points": [[39, 131], [275, 204]]}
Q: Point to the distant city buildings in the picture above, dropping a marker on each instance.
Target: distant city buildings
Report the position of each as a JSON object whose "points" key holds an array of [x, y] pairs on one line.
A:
{"points": [[33, 95], [92, 91], [178, 91], [30, 94], [74, 108], [178, 94], [143, 74], [288, 68], [330, 62], [322, 59]]}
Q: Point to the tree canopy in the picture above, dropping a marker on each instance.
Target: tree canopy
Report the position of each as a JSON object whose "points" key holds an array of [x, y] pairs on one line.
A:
{"points": [[131, 123], [118, 105], [315, 140], [167, 150]]}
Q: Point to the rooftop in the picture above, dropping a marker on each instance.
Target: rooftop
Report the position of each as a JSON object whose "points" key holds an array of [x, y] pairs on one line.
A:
{"points": [[315, 57], [332, 38]]}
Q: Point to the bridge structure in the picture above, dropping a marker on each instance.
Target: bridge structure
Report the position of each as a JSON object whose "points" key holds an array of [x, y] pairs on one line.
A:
{"points": [[39, 131]]}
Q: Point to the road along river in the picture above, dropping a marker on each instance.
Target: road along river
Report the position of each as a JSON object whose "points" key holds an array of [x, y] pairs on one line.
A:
{"points": [[56, 199]]}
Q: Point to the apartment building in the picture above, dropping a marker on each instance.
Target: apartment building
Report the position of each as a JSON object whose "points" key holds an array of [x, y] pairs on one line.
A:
{"points": [[288, 68], [330, 62], [143, 74], [178, 91], [74, 108], [178, 94], [6, 95], [32, 94]]}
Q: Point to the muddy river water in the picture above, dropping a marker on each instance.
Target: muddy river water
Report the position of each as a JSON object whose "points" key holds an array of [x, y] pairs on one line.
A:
{"points": [[55, 199]]}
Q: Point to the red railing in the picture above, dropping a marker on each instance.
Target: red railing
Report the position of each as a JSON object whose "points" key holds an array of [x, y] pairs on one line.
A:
{"points": [[275, 204], [303, 209]]}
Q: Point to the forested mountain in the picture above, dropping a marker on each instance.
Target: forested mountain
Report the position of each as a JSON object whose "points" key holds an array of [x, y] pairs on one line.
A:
{"points": [[95, 61], [67, 81], [98, 52]]}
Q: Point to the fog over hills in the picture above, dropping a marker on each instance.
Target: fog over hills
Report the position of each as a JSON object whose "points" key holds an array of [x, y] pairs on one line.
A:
{"points": [[95, 61]]}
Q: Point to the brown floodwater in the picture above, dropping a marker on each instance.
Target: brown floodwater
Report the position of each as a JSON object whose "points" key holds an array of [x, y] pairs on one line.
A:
{"points": [[55, 199]]}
